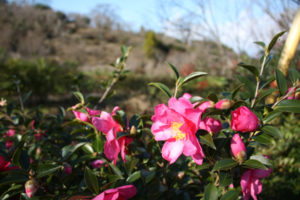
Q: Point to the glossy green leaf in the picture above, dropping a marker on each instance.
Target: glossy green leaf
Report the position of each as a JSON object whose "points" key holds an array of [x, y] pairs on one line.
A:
{"points": [[281, 82], [260, 43], [288, 106], [91, 181], [272, 115], [79, 97], [294, 75], [116, 170], [263, 139], [174, 70], [225, 164], [261, 159], [236, 90], [47, 169], [274, 40], [208, 140], [134, 177], [272, 131], [67, 151], [163, 88], [213, 97], [231, 195], [87, 148], [225, 179], [210, 192], [13, 179], [250, 68], [248, 84], [192, 76], [254, 164]]}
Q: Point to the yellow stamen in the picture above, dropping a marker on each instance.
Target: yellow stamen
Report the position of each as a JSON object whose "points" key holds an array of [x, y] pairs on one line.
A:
{"points": [[179, 135]]}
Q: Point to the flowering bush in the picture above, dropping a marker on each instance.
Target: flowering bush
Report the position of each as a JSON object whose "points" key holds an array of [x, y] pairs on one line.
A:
{"points": [[192, 147]]}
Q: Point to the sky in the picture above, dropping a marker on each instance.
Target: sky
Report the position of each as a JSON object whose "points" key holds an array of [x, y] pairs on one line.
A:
{"points": [[235, 19]]}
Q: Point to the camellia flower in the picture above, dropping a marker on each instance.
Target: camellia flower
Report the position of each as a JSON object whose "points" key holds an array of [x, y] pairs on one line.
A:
{"points": [[97, 163], [4, 165], [11, 132], [243, 120], [223, 104], [294, 94], [31, 187], [83, 116], [177, 124], [211, 125], [113, 146], [238, 148], [68, 168], [251, 184], [120, 193]]}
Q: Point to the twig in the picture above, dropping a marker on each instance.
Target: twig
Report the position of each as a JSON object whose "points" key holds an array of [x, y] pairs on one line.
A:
{"points": [[108, 89], [20, 97], [258, 80]]}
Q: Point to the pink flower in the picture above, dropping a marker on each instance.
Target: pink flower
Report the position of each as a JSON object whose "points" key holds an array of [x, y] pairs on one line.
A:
{"points": [[251, 184], [38, 132], [238, 148], [10, 133], [83, 116], [9, 144], [177, 124], [119, 193], [205, 105], [31, 187], [92, 112], [223, 104], [292, 95], [68, 168], [97, 163], [4, 165], [113, 146], [211, 125], [243, 120]]}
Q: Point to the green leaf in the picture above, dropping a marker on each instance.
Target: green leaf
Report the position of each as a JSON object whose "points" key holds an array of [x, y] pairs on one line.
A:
{"points": [[254, 164], [250, 68], [225, 179], [211, 111], [124, 50], [231, 195], [79, 97], [210, 192], [163, 88], [260, 43], [272, 78], [294, 75], [272, 115], [225, 164], [272, 131], [67, 151], [13, 179], [134, 176], [208, 140], [281, 82], [288, 106], [26, 96], [248, 84], [263, 139], [235, 91], [47, 169], [174, 70], [196, 99], [261, 159], [265, 93], [91, 181], [193, 76], [116, 170], [213, 97], [98, 144], [274, 40], [87, 148]]}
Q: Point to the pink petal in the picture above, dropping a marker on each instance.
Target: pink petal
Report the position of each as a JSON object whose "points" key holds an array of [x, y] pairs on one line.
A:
{"points": [[127, 191], [256, 188], [198, 155], [92, 112], [112, 150], [245, 184], [161, 131], [81, 116], [187, 96], [114, 111], [260, 173], [172, 149], [180, 105], [237, 146]]}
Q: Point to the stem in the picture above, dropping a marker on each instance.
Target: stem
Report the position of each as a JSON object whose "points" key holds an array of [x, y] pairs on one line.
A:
{"points": [[176, 90], [283, 97], [108, 89], [258, 79], [20, 98]]}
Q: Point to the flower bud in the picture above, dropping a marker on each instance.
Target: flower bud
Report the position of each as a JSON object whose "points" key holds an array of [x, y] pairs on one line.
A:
{"points": [[132, 130], [31, 187], [243, 120], [97, 163], [238, 148], [68, 168], [211, 125], [223, 104]]}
